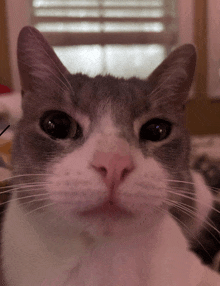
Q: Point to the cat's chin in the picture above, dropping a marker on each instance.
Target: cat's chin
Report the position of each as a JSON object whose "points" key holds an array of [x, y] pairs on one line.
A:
{"points": [[108, 210], [111, 221]]}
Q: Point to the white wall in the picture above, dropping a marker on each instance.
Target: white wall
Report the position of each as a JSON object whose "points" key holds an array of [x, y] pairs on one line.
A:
{"points": [[186, 13], [18, 15], [214, 49]]}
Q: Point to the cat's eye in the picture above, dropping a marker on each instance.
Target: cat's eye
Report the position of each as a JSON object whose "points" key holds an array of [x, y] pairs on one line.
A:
{"points": [[155, 130], [59, 125]]}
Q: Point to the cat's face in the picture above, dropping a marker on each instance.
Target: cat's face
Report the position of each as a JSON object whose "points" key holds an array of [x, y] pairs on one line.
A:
{"points": [[107, 150]]}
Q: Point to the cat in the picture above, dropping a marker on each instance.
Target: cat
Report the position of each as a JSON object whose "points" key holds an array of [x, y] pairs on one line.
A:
{"points": [[102, 189], [209, 237]]}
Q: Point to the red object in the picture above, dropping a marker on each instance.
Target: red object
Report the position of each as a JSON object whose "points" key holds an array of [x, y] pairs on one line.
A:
{"points": [[4, 89]]}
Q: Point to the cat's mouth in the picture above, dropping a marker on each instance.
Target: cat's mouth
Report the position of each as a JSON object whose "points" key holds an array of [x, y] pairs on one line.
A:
{"points": [[109, 209]]}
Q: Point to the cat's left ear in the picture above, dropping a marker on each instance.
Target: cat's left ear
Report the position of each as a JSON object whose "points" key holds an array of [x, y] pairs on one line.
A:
{"points": [[172, 79]]}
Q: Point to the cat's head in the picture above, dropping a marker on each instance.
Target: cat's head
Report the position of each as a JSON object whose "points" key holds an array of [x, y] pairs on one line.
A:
{"points": [[103, 152]]}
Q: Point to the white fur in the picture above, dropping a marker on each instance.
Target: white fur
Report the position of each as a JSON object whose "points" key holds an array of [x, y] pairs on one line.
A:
{"points": [[157, 258], [59, 247]]}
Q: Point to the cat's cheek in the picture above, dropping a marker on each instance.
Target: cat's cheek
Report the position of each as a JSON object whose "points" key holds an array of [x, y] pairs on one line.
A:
{"points": [[146, 187], [75, 188]]}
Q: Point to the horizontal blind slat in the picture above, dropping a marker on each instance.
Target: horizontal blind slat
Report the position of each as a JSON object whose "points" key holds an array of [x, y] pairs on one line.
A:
{"points": [[126, 38], [166, 20], [105, 12]]}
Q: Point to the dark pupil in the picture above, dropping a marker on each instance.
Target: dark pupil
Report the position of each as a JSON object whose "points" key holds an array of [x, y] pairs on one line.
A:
{"points": [[155, 130], [56, 125]]}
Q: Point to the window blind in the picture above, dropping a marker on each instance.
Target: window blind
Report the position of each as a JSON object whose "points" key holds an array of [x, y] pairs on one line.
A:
{"points": [[106, 22]]}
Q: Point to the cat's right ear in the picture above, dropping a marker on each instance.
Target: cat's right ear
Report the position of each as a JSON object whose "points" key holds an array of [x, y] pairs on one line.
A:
{"points": [[39, 66], [172, 79]]}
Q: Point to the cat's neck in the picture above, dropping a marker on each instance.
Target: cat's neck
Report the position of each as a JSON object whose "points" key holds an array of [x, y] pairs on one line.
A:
{"points": [[78, 257]]}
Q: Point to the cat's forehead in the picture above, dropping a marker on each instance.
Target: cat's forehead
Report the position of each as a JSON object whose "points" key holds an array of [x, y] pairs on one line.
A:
{"points": [[125, 98]]}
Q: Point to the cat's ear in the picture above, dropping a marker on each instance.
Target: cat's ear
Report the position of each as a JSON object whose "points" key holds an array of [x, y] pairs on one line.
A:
{"points": [[174, 76], [37, 62]]}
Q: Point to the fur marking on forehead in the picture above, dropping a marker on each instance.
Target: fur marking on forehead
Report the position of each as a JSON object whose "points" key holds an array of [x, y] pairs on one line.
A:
{"points": [[106, 125], [124, 95]]}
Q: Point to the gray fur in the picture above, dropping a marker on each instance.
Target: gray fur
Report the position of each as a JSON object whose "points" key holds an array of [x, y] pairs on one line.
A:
{"points": [[47, 85]]}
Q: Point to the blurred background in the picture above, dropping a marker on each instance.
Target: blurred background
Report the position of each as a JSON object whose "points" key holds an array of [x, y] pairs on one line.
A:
{"points": [[124, 38]]}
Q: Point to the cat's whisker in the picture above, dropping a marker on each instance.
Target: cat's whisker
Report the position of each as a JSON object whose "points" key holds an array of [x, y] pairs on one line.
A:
{"points": [[24, 175], [185, 227], [204, 227], [192, 235], [182, 193], [184, 208], [179, 181], [24, 197], [191, 183], [41, 207], [207, 220], [21, 186], [182, 190], [26, 185], [34, 201], [194, 199]]}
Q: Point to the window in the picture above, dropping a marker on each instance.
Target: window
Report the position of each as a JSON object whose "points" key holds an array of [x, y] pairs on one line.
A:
{"points": [[121, 37]]}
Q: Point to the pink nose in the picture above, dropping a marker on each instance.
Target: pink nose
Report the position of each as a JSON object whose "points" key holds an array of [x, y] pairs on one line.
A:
{"points": [[113, 167]]}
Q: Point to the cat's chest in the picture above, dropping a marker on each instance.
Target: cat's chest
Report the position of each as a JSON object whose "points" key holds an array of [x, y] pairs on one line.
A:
{"points": [[109, 269], [108, 264], [137, 262]]}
